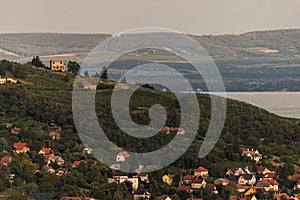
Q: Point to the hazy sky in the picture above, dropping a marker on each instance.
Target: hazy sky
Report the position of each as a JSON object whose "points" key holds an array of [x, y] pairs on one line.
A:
{"points": [[113, 16]]}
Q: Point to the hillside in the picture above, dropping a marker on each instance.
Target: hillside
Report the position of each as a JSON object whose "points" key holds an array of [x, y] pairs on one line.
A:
{"points": [[41, 101]]}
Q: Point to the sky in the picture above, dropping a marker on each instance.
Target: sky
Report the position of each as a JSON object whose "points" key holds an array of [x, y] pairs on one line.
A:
{"points": [[114, 16]]}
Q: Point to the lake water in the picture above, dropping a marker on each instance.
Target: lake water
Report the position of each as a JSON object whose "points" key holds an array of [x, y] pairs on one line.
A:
{"points": [[286, 104]]}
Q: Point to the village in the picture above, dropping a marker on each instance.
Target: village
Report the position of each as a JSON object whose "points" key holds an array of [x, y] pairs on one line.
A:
{"points": [[245, 181]]}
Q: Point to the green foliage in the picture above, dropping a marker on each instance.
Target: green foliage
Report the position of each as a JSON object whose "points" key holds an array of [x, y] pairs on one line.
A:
{"points": [[37, 62]]}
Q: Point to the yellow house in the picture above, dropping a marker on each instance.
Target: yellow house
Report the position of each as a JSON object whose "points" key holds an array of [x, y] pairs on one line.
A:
{"points": [[168, 179], [57, 65]]}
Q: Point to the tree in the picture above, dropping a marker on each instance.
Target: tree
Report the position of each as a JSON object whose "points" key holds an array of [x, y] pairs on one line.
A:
{"points": [[104, 74], [37, 62], [86, 74], [73, 67]]}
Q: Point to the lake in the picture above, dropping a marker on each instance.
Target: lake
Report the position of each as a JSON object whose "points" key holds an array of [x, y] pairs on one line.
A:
{"points": [[286, 104]]}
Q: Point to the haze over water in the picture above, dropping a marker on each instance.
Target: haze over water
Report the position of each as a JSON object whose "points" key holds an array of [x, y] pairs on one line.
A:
{"points": [[286, 104]]}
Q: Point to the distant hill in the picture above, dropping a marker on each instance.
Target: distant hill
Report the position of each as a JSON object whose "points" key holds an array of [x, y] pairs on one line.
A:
{"points": [[22, 46], [271, 44], [253, 61]]}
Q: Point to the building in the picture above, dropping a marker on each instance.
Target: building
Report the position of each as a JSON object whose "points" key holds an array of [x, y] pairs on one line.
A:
{"points": [[201, 171], [54, 135], [20, 147], [46, 152], [57, 65], [168, 179], [5, 160], [7, 80], [252, 154], [121, 157], [141, 194]]}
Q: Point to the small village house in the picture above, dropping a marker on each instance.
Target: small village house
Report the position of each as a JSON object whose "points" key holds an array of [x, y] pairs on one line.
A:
{"points": [[46, 152], [252, 154], [15, 130], [54, 135], [5, 160], [201, 171], [20, 147], [168, 179]]}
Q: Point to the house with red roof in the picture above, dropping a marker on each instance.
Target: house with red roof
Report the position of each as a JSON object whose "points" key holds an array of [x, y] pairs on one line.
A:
{"points": [[20, 147], [295, 177], [201, 171], [295, 196], [15, 130], [187, 179], [270, 175], [5, 160], [268, 184], [46, 152], [263, 170], [198, 183], [54, 135]]}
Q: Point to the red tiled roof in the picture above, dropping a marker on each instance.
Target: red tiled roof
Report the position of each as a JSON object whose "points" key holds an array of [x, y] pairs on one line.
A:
{"points": [[76, 163], [5, 159], [19, 145], [297, 196], [48, 151], [270, 175], [53, 133], [295, 176], [166, 129], [200, 169], [272, 181], [171, 176], [15, 130]]}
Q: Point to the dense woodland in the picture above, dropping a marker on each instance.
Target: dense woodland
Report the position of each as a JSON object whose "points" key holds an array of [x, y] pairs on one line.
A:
{"points": [[42, 98]]}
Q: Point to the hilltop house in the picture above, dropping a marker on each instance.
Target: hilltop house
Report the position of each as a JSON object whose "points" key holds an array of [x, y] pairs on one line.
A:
{"points": [[57, 65], [20, 147]]}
